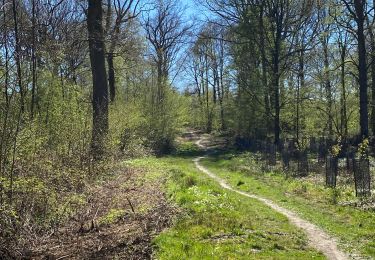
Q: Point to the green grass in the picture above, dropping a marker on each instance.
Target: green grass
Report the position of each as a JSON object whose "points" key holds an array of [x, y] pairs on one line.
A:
{"points": [[355, 228], [219, 224], [112, 216]]}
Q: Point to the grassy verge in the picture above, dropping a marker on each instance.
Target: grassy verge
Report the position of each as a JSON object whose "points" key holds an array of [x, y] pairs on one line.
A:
{"points": [[218, 224], [354, 227]]}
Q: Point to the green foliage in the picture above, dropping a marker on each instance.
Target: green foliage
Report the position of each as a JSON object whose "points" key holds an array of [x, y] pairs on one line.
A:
{"points": [[363, 148], [335, 150], [164, 121], [112, 216], [302, 144], [126, 132], [51, 159], [335, 195]]}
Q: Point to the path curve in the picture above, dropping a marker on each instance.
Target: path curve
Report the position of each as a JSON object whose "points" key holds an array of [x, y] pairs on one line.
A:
{"points": [[317, 237]]}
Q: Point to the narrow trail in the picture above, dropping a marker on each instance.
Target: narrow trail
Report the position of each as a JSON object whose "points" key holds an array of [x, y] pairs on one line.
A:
{"points": [[317, 237]]}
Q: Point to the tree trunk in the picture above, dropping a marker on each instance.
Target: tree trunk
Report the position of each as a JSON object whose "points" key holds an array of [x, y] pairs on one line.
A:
{"points": [[276, 85], [159, 80], [33, 60], [362, 67], [373, 86], [215, 83], [18, 57], [328, 86], [344, 123], [372, 66], [209, 119], [277, 129], [100, 85], [111, 77], [4, 139], [300, 85], [222, 94], [267, 109]]}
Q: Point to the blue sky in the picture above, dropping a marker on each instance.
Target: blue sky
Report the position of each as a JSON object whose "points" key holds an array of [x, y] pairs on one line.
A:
{"points": [[194, 11]]}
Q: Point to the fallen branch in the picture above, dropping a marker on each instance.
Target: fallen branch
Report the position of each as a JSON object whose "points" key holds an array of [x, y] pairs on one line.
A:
{"points": [[131, 206]]}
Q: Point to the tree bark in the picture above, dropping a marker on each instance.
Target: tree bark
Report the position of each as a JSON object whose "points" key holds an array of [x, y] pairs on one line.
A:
{"points": [[222, 89], [372, 67], [300, 85], [100, 85], [18, 56], [111, 77], [33, 60], [267, 106], [3, 140], [209, 119], [328, 86], [344, 123], [276, 83], [362, 67]]}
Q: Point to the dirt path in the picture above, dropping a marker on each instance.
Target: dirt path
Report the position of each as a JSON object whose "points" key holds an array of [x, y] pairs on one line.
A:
{"points": [[317, 237]]}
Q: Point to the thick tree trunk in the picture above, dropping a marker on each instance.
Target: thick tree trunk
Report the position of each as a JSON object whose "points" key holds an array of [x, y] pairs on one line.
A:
{"points": [[373, 87], [159, 81], [100, 86], [362, 67], [373, 75]]}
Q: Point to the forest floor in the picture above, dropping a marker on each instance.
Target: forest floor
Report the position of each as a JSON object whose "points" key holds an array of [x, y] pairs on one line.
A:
{"points": [[121, 216], [207, 202]]}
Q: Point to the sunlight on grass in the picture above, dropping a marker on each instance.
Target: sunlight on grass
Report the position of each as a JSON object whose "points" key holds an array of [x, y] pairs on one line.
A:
{"points": [[353, 227], [218, 224]]}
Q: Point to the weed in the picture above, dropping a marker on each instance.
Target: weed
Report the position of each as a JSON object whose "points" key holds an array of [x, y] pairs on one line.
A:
{"points": [[113, 216], [335, 195], [239, 183]]}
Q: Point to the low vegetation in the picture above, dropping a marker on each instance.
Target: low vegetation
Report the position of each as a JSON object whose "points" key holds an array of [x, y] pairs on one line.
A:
{"points": [[216, 224], [337, 211]]}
